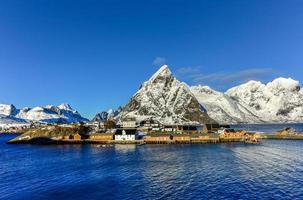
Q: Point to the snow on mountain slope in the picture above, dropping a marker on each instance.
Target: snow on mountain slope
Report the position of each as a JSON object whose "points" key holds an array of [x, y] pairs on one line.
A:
{"points": [[221, 107], [7, 121], [278, 101], [7, 109], [106, 115], [165, 99], [50, 114]]}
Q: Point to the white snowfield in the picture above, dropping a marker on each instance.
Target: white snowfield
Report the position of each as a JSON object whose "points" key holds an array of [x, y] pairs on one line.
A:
{"points": [[48, 114], [279, 101]]}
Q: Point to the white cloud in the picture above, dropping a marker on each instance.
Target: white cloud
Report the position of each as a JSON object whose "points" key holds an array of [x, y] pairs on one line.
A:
{"points": [[224, 79], [158, 61]]}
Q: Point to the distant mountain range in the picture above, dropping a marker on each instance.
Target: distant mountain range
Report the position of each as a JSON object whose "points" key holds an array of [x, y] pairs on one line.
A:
{"points": [[49, 114], [165, 98]]}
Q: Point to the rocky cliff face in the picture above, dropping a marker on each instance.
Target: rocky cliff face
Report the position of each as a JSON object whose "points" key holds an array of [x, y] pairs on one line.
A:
{"points": [[165, 99]]}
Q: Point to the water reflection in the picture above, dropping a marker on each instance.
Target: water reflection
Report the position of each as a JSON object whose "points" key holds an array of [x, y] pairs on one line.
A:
{"points": [[272, 170], [125, 148]]}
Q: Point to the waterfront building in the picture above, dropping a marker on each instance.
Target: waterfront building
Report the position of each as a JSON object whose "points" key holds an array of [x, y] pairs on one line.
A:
{"points": [[158, 138], [231, 133], [126, 134], [181, 138], [65, 137], [102, 136], [76, 136], [200, 137]]}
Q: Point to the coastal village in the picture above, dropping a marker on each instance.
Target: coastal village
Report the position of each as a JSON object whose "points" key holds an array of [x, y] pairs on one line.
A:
{"points": [[131, 131], [163, 111]]}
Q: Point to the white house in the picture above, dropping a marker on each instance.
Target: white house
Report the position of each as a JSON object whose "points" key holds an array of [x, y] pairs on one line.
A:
{"points": [[126, 134]]}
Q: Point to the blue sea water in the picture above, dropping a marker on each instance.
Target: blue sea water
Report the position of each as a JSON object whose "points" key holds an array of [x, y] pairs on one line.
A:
{"points": [[272, 170], [268, 128]]}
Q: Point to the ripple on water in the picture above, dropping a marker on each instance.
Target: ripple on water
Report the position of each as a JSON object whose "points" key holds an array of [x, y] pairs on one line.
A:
{"points": [[273, 170]]}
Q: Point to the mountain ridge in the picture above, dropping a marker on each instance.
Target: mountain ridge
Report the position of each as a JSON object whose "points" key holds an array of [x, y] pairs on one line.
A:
{"points": [[48, 114], [278, 101]]}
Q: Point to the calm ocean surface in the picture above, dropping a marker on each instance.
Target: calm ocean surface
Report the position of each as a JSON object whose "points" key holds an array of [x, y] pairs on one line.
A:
{"points": [[272, 170], [268, 128]]}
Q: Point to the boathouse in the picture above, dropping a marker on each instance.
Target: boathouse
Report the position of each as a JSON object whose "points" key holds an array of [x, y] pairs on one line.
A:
{"points": [[231, 134], [102, 136], [158, 138], [181, 138]]}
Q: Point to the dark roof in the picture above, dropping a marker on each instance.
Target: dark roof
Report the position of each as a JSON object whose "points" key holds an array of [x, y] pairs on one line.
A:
{"points": [[127, 131], [158, 135], [212, 126], [152, 121], [190, 128]]}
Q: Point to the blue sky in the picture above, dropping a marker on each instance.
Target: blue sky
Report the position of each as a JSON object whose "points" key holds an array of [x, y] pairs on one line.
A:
{"points": [[95, 54]]}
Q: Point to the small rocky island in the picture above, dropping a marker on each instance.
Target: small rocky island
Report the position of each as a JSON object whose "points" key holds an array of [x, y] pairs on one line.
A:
{"points": [[148, 131]]}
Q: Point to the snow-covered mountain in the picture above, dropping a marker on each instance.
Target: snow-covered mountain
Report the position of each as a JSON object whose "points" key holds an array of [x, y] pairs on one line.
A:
{"points": [[221, 107], [8, 109], [106, 115], [7, 121], [165, 99], [50, 114], [278, 101], [254, 102]]}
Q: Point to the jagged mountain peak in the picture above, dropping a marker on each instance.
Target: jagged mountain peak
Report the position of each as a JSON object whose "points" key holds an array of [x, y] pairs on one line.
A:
{"points": [[65, 106], [162, 71], [166, 99], [106, 115], [7, 109], [162, 74]]}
